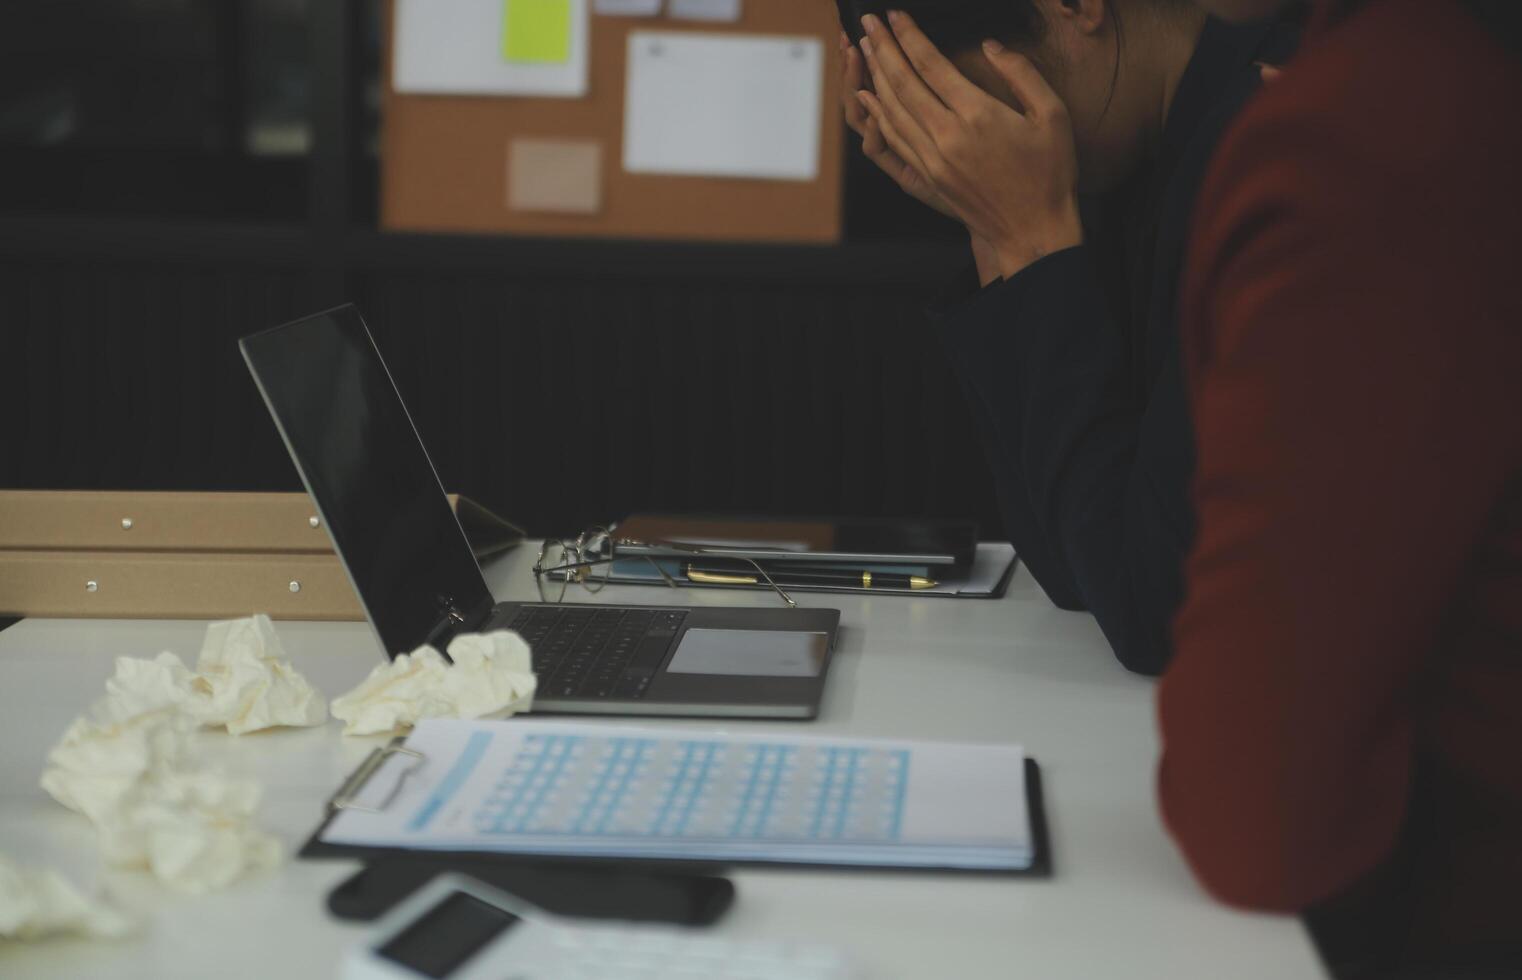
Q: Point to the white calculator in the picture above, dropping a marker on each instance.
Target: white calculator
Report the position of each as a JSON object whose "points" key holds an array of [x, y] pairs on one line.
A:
{"points": [[460, 929]]}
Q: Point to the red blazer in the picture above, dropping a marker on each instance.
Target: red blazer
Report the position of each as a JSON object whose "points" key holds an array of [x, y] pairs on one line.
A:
{"points": [[1346, 693]]}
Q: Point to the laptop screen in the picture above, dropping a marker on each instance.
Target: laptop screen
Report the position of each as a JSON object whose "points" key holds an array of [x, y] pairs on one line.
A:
{"points": [[365, 466]]}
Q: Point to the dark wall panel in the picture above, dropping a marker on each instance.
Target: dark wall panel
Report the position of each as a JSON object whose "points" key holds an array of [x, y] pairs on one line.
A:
{"points": [[560, 398], [570, 401], [127, 376], [561, 382]]}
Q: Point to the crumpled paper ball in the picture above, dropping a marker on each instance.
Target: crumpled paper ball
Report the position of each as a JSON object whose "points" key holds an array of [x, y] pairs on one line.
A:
{"points": [[196, 832], [244, 681], [35, 904], [153, 805], [492, 676], [128, 765], [99, 766]]}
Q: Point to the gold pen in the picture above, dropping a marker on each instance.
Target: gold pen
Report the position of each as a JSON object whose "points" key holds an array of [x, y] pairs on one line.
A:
{"points": [[835, 579], [715, 578]]}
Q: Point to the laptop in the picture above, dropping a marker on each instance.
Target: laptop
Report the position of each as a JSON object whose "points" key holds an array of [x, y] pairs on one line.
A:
{"points": [[377, 493]]}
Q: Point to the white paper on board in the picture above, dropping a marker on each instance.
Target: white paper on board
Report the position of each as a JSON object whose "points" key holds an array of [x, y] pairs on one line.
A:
{"points": [[455, 47], [727, 11], [627, 8], [723, 105]]}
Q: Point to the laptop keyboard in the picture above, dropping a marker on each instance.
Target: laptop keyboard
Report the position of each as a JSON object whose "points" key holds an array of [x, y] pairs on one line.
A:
{"points": [[597, 652]]}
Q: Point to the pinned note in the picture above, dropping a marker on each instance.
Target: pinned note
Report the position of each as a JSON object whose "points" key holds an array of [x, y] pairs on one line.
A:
{"points": [[727, 11], [492, 47], [555, 176], [627, 8], [723, 105], [537, 31]]}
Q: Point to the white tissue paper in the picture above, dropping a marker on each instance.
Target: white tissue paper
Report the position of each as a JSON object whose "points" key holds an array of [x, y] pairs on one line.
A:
{"points": [[127, 764], [153, 804], [492, 676], [35, 904], [244, 681]]}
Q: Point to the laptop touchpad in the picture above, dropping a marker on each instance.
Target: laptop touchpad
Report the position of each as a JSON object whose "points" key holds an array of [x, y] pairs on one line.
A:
{"points": [[752, 653]]}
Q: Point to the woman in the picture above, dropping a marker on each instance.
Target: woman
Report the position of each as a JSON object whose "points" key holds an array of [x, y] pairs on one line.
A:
{"points": [[1081, 405], [1341, 724]]}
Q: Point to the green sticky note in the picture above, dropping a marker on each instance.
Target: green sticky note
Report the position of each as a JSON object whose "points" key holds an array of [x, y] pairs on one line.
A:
{"points": [[537, 31]]}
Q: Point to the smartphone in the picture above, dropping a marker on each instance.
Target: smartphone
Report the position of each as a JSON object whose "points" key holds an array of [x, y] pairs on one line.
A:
{"points": [[458, 928], [580, 891]]}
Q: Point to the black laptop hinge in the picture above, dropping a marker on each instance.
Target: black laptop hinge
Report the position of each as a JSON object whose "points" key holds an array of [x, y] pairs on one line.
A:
{"points": [[453, 621]]}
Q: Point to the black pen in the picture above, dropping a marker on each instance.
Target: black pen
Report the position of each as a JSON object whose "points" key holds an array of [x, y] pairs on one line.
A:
{"points": [[833, 579]]}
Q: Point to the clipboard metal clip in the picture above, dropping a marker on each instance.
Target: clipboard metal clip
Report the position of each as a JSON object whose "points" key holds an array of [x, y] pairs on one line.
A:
{"points": [[347, 796]]}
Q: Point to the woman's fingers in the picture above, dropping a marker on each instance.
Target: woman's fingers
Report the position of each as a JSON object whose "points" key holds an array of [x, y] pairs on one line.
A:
{"points": [[887, 161], [873, 146], [891, 136], [851, 83], [891, 113], [854, 73], [876, 150], [949, 85], [1025, 80], [892, 69], [909, 180]]}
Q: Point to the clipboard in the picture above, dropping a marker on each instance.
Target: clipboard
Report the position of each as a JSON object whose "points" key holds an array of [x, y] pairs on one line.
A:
{"points": [[347, 797]]}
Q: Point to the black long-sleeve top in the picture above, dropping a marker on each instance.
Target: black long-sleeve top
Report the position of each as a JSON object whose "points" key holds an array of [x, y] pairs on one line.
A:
{"points": [[1084, 416]]}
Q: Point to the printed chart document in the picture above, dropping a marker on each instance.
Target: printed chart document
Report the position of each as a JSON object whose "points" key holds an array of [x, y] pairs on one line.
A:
{"points": [[492, 47], [722, 105], [568, 788]]}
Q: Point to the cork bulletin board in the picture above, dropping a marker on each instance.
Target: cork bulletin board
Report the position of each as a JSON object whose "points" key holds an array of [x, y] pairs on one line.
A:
{"points": [[448, 160]]}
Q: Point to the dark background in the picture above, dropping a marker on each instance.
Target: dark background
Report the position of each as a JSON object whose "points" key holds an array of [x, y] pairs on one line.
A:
{"points": [[177, 173]]}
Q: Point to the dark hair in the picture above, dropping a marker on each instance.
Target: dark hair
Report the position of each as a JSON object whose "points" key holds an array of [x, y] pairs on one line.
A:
{"points": [[954, 25], [957, 25]]}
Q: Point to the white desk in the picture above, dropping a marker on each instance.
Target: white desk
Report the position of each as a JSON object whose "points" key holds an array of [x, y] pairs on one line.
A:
{"points": [[1121, 904]]}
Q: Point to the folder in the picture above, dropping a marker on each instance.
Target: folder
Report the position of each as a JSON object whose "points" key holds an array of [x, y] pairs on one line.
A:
{"points": [[830, 554], [993, 566], [810, 540], [177, 555]]}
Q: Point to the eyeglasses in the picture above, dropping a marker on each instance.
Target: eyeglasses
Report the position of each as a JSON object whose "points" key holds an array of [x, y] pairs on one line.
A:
{"points": [[580, 559]]}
